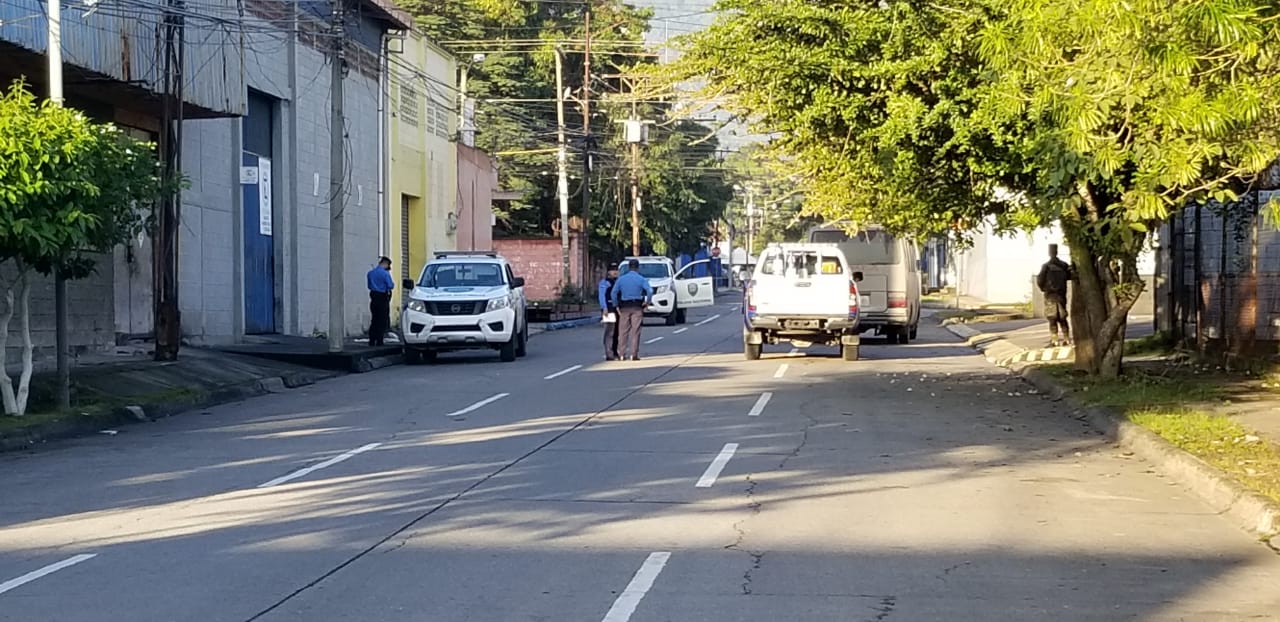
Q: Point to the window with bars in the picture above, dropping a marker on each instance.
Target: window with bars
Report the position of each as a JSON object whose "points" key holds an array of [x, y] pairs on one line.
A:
{"points": [[409, 108]]}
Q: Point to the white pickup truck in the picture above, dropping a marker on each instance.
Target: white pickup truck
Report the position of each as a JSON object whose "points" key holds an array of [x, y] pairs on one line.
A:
{"points": [[804, 294]]}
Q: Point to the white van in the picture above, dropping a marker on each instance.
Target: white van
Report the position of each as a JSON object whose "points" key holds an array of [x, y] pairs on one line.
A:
{"points": [[889, 267]]}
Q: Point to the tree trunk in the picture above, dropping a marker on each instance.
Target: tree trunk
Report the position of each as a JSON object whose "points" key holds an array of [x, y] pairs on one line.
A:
{"points": [[6, 387], [24, 321], [15, 398], [1098, 315]]}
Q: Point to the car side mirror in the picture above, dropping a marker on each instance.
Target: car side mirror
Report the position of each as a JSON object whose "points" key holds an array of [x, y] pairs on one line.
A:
{"points": [[517, 281], [857, 277], [408, 284]]}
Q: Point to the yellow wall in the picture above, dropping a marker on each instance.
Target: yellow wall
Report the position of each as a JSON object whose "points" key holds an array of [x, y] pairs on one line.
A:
{"points": [[424, 158]]}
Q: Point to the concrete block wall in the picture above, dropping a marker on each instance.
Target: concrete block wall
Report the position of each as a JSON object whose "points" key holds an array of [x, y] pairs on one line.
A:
{"points": [[90, 316], [539, 262]]}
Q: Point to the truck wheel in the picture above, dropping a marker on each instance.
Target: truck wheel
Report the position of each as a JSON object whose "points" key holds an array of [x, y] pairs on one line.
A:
{"points": [[915, 330], [673, 317], [681, 316], [752, 351], [849, 353], [522, 347], [411, 356], [508, 350]]}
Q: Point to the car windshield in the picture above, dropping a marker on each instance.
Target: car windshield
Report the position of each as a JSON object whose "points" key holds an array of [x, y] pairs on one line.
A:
{"points": [[462, 275], [870, 247], [652, 270], [800, 264]]}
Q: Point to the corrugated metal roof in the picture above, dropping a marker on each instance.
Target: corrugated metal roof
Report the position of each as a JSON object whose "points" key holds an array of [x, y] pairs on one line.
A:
{"points": [[120, 41]]}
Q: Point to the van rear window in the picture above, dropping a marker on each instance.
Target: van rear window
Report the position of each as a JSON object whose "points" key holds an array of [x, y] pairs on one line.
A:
{"points": [[872, 247]]}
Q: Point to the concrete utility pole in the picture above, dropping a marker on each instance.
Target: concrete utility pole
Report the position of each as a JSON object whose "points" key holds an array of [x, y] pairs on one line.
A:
{"points": [[586, 150], [562, 164], [635, 198], [60, 280], [337, 184], [168, 317]]}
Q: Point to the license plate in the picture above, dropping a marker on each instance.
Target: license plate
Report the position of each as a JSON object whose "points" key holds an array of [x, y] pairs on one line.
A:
{"points": [[864, 301], [802, 323]]}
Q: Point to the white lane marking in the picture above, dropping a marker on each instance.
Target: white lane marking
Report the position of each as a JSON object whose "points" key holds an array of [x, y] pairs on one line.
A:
{"points": [[713, 470], [760, 404], [47, 570], [320, 465], [735, 308], [478, 405], [629, 599], [708, 320], [782, 370], [654, 340], [563, 372], [679, 330]]}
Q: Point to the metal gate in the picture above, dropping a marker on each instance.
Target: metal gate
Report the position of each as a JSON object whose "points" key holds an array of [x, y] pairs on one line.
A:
{"points": [[259, 243]]}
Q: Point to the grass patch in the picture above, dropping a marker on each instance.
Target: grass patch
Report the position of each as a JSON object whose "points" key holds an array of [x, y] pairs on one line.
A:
{"points": [[13, 424], [1158, 343], [1178, 402], [1219, 441]]}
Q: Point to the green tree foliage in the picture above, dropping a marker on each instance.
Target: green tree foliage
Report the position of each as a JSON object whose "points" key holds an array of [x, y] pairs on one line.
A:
{"points": [[1101, 114], [681, 198], [69, 189]]}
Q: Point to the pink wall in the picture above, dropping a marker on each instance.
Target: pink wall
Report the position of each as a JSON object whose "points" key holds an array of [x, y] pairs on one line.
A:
{"points": [[477, 181], [539, 261]]}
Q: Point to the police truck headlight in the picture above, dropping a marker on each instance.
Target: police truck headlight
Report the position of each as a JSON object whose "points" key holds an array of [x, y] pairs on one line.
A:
{"points": [[499, 303], [418, 306]]}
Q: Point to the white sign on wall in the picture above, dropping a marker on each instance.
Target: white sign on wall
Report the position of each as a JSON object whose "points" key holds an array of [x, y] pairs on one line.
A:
{"points": [[248, 175], [264, 196]]}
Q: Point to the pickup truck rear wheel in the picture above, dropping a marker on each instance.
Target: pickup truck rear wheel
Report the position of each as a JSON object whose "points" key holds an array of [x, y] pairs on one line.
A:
{"points": [[915, 330], [849, 352], [752, 351]]}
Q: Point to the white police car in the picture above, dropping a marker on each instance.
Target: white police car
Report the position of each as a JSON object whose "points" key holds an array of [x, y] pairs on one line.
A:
{"points": [[464, 301]]}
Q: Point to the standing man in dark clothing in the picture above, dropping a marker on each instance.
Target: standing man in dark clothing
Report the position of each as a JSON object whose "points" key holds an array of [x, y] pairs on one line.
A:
{"points": [[380, 287], [1052, 281], [631, 294], [610, 313]]}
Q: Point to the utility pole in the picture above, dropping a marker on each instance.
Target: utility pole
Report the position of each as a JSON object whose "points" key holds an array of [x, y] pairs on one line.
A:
{"points": [[337, 183], [167, 318], [587, 146], [59, 279], [562, 164], [635, 197]]}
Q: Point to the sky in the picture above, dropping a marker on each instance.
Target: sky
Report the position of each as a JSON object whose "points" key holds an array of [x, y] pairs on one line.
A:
{"points": [[673, 18]]}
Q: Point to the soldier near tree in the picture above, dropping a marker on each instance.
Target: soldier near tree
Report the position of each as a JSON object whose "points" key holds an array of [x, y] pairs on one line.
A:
{"points": [[1054, 276]]}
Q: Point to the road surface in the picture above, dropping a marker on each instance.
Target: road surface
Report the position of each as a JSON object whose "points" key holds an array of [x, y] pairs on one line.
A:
{"points": [[919, 483]]}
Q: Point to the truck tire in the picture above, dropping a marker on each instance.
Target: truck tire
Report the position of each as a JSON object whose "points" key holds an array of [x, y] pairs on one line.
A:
{"points": [[673, 317], [849, 353], [915, 330], [411, 356], [752, 351], [508, 350], [681, 316], [522, 346]]}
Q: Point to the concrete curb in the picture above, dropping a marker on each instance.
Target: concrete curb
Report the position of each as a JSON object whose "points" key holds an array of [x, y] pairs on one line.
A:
{"points": [[565, 325], [1253, 512], [146, 411]]}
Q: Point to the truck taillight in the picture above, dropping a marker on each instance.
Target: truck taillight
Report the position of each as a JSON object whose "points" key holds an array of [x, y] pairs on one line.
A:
{"points": [[897, 301]]}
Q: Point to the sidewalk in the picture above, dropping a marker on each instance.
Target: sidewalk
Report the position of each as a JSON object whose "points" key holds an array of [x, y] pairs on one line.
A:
{"points": [[1214, 431], [126, 386]]}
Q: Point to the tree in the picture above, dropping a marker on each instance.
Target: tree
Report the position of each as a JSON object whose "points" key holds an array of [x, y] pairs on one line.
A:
{"points": [[69, 188], [923, 117]]}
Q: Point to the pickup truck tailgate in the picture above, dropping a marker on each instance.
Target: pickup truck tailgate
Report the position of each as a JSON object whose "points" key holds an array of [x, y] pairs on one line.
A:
{"points": [[820, 295]]}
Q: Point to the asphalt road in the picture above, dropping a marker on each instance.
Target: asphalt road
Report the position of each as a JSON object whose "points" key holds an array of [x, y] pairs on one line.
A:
{"points": [[917, 484]]}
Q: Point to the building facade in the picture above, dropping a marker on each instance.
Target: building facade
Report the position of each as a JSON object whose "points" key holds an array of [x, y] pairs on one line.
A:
{"points": [[423, 157]]}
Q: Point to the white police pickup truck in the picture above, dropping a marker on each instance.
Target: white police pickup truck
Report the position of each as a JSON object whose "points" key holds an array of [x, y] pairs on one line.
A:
{"points": [[464, 301], [803, 294], [674, 293]]}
